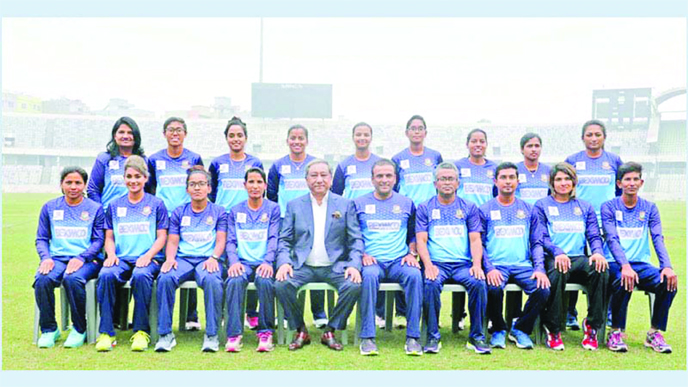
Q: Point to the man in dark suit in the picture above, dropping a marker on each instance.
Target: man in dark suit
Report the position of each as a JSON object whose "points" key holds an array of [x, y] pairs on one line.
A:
{"points": [[320, 241]]}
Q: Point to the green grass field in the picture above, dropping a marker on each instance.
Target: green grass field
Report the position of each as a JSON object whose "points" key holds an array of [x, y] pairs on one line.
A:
{"points": [[20, 261]]}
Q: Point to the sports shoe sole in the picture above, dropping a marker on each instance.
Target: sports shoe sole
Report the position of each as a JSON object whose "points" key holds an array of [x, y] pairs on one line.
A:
{"points": [[648, 345], [618, 349], [478, 351], [110, 348], [370, 353], [166, 349], [519, 345], [439, 346]]}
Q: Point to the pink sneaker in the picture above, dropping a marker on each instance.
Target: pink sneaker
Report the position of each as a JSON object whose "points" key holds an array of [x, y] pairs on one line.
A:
{"points": [[589, 337], [251, 323], [234, 344], [554, 341], [265, 342], [615, 341], [657, 343]]}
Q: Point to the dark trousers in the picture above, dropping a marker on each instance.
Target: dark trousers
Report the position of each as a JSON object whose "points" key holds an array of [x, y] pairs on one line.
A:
{"points": [[286, 290], [581, 273], [235, 290], [537, 297], [649, 280]]}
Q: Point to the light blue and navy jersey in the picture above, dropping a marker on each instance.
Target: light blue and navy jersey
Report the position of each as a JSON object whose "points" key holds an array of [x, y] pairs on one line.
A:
{"points": [[596, 178], [287, 181], [135, 225], [168, 177], [227, 180], [353, 177], [476, 181], [388, 226], [627, 229], [107, 179], [448, 227], [566, 227], [66, 231], [532, 186], [197, 231], [510, 235], [415, 174], [252, 235]]}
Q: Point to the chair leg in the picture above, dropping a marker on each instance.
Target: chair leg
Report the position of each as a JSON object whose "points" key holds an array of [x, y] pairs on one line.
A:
{"points": [[36, 324], [330, 302], [183, 308], [64, 307], [124, 295], [389, 310], [357, 326], [280, 323], [153, 313], [456, 312], [91, 307]]}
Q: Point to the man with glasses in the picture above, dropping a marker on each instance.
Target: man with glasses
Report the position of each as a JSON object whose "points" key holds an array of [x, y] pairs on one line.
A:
{"points": [[167, 181], [449, 244]]}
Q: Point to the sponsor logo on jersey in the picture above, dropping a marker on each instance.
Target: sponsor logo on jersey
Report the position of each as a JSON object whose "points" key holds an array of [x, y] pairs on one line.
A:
{"points": [[84, 216], [146, 211], [197, 237], [533, 193], [630, 233], [418, 178], [137, 228], [117, 180], [71, 233], [384, 225], [448, 231], [577, 211], [594, 179], [357, 184], [232, 184], [506, 232], [568, 227], [477, 188], [295, 185], [520, 214], [252, 235], [172, 180]]}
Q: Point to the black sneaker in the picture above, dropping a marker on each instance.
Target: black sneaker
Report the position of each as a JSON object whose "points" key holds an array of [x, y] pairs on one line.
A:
{"points": [[368, 347], [433, 346], [478, 345]]}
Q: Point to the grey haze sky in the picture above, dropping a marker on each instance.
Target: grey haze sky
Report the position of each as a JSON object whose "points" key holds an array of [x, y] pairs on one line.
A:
{"points": [[453, 70]]}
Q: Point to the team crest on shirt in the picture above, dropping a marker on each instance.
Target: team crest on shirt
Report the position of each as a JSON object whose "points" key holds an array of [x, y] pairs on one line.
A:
{"points": [[396, 209], [209, 221], [185, 164], [146, 210], [490, 173], [577, 211], [459, 214], [428, 162], [84, 216], [264, 217], [543, 178], [605, 165], [641, 216], [520, 214]]}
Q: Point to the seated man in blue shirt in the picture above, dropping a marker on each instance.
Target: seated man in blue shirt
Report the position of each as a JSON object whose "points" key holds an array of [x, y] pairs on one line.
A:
{"points": [[510, 244], [449, 244], [627, 221]]}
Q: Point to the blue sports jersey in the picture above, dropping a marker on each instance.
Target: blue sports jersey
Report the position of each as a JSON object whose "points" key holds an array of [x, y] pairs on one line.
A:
{"points": [[197, 231], [510, 235], [476, 181], [135, 226], [227, 180], [387, 225], [353, 177], [107, 179], [252, 235], [627, 229], [415, 174], [566, 227], [66, 231], [168, 177], [448, 227], [596, 178], [532, 186], [287, 181]]}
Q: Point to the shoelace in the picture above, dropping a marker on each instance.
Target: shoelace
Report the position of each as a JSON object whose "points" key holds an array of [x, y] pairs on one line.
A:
{"points": [[264, 335], [658, 339]]}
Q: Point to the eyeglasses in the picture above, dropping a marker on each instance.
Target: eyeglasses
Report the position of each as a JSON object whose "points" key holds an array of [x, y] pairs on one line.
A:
{"points": [[446, 179], [199, 184], [416, 128], [175, 130]]}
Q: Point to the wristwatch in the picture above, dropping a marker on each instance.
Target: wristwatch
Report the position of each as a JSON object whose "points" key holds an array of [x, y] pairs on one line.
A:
{"points": [[215, 257]]}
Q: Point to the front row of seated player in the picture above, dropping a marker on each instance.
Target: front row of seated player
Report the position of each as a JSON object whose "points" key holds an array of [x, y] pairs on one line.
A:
{"points": [[354, 246]]}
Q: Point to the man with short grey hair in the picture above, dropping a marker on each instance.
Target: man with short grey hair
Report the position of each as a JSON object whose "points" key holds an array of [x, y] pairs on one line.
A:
{"points": [[320, 241]]}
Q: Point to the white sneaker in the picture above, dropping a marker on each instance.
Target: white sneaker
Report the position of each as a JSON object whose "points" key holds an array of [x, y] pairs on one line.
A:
{"points": [[380, 322], [192, 326], [320, 323]]}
